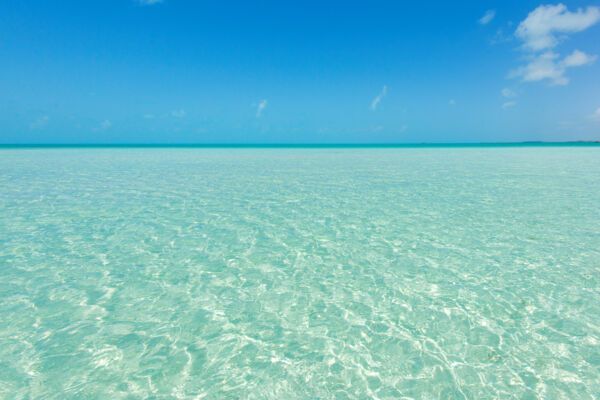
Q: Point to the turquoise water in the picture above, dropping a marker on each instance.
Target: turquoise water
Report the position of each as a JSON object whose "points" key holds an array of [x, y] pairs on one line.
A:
{"points": [[300, 273]]}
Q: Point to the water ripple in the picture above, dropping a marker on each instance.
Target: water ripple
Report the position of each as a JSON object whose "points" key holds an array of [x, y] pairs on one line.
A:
{"points": [[323, 273]]}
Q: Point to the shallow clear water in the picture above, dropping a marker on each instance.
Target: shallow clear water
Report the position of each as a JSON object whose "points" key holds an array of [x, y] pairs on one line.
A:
{"points": [[300, 273]]}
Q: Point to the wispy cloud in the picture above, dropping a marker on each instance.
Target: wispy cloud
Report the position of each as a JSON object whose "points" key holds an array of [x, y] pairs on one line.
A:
{"points": [[380, 128], [148, 116], [487, 17], [506, 92], [178, 113], [380, 96], [539, 31], [501, 35], [39, 123], [595, 115], [149, 2], [578, 58], [261, 106], [452, 102], [102, 126], [546, 66]]}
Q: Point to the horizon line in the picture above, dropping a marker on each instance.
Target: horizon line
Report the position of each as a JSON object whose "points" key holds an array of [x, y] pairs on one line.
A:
{"points": [[300, 145]]}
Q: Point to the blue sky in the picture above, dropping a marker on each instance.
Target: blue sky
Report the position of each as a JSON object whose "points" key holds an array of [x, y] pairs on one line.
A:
{"points": [[181, 71]]}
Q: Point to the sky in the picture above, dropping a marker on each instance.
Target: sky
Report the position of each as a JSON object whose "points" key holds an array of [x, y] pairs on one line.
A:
{"points": [[183, 71]]}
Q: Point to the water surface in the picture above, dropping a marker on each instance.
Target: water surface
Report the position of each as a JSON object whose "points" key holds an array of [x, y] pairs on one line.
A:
{"points": [[347, 273]]}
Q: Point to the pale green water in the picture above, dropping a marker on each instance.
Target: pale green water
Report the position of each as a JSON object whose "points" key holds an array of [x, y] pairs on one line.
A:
{"points": [[300, 273]]}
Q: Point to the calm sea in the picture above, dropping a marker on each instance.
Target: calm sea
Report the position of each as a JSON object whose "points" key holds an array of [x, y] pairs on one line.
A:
{"points": [[452, 272]]}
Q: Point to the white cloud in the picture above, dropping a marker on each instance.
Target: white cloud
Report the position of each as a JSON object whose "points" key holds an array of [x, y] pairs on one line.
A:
{"points": [[578, 58], [539, 35], [148, 116], [538, 30], [39, 123], [261, 106], [501, 37], [596, 114], [149, 2], [487, 17], [377, 99], [506, 92], [178, 113], [105, 124], [545, 66], [509, 104], [452, 102], [542, 67]]}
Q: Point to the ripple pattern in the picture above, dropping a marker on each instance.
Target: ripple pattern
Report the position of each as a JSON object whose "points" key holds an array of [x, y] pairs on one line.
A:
{"points": [[300, 273]]}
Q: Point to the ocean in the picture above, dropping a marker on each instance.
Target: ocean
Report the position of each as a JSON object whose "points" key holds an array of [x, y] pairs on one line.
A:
{"points": [[317, 272]]}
